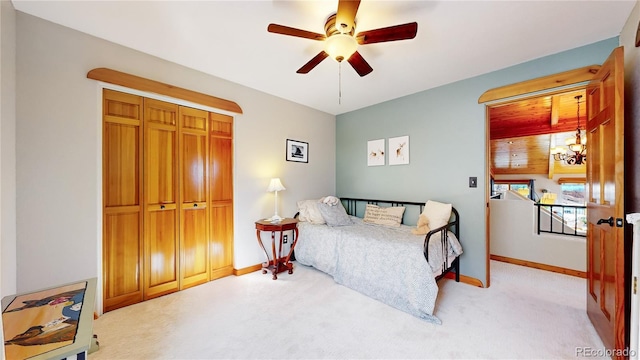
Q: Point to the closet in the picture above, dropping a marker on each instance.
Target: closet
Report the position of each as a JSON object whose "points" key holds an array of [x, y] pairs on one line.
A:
{"points": [[167, 197]]}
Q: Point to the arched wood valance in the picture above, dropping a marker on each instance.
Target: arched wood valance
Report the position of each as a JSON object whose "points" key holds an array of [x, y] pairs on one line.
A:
{"points": [[135, 82], [543, 83]]}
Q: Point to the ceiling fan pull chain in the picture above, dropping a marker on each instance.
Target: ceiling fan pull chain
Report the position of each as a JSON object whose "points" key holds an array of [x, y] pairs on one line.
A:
{"points": [[340, 82]]}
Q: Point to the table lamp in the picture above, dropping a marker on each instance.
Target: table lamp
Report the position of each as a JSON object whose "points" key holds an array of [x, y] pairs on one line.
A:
{"points": [[274, 186]]}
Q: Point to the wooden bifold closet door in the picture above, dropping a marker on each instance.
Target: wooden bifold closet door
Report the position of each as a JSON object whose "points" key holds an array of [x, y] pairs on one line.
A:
{"points": [[161, 242], [165, 167], [122, 199]]}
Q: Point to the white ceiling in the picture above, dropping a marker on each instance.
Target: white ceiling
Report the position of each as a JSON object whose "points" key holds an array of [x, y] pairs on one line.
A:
{"points": [[229, 39]]}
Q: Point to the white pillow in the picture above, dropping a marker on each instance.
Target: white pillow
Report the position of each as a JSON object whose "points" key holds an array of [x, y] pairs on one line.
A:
{"points": [[309, 211], [437, 213], [389, 216]]}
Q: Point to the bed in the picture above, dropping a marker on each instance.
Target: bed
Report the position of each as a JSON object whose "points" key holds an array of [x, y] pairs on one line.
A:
{"points": [[383, 259]]}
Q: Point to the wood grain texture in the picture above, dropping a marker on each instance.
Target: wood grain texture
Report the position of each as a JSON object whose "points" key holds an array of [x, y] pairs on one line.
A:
{"points": [[139, 83], [122, 238], [544, 83], [465, 279], [524, 131], [221, 194], [535, 265], [606, 282], [194, 215], [162, 176], [161, 221]]}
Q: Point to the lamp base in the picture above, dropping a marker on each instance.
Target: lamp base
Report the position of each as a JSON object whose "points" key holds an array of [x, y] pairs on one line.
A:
{"points": [[275, 219]]}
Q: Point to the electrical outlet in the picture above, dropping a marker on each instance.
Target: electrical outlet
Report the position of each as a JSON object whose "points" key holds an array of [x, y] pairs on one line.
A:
{"points": [[285, 238], [473, 182]]}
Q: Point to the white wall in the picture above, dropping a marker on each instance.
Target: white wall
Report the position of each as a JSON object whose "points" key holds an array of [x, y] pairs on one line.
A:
{"points": [[59, 150], [514, 235], [7, 150]]}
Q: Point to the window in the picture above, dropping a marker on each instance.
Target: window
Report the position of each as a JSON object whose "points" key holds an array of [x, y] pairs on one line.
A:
{"points": [[522, 187], [573, 193]]}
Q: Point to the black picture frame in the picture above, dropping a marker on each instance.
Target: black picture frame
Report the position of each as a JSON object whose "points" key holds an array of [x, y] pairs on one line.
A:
{"points": [[297, 151]]}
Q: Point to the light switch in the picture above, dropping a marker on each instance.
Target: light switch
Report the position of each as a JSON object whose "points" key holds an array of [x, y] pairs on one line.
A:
{"points": [[473, 181]]}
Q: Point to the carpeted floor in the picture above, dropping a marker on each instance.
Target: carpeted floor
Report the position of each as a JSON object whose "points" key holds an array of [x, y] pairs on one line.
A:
{"points": [[525, 314]]}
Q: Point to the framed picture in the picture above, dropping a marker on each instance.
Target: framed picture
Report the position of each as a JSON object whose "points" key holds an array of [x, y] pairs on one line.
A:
{"points": [[297, 151], [399, 150], [375, 152]]}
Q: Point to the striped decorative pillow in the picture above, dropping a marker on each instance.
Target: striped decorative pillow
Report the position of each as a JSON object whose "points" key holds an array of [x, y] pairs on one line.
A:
{"points": [[388, 216]]}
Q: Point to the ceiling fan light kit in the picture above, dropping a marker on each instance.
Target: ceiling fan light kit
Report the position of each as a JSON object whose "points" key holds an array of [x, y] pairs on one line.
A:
{"points": [[340, 46]]}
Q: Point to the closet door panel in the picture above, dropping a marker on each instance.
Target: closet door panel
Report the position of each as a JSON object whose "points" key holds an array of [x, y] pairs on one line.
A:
{"points": [[121, 164], [221, 146], [122, 199], [121, 260], [195, 246], [221, 169], [221, 190], [161, 166], [161, 252], [222, 240], [194, 177], [194, 239], [161, 222]]}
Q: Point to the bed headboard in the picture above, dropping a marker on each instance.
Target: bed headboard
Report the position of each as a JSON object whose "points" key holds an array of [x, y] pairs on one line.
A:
{"points": [[412, 210]]}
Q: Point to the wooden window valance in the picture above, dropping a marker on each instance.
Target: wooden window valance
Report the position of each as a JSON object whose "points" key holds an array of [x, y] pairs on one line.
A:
{"points": [[139, 83]]}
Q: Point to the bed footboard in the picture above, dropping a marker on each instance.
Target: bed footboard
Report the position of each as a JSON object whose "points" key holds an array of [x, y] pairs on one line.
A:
{"points": [[441, 234], [356, 207]]}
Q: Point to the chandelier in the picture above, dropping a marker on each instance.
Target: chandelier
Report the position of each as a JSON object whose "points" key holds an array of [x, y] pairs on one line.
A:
{"points": [[576, 152]]}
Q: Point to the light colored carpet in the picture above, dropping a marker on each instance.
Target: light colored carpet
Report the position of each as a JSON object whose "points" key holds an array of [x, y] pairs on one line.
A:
{"points": [[525, 314]]}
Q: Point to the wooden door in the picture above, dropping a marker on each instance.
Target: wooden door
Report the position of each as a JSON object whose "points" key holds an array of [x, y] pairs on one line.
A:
{"points": [[605, 207], [161, 242], [122, 199], [194, 212], [221, 190]]}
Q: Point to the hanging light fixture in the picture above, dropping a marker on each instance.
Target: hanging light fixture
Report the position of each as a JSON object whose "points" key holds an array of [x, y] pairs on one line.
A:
{"points": [[577, 146]]}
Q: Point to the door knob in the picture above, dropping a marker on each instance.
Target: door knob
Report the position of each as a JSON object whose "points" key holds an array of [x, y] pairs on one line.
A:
{"points": [[608, 221]]}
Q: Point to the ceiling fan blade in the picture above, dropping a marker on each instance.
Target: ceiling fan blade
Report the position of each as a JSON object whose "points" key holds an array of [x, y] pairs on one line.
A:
{"points": [[313, 63], [285, 30], [346, 15], [391, 33], [360, 65]]}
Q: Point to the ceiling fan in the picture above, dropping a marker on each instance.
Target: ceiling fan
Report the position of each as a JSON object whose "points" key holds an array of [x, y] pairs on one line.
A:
{"points": [[340, 41]]}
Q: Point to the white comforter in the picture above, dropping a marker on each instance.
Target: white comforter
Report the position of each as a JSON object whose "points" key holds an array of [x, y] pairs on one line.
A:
{"points": [[384, 263]]}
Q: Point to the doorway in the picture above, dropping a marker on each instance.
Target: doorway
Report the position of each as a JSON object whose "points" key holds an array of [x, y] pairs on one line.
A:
{"points": [[555, 82], [537, 164]]}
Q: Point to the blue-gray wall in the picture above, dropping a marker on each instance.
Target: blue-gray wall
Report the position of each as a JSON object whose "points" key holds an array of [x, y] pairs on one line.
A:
{"points": [[447, 139]]}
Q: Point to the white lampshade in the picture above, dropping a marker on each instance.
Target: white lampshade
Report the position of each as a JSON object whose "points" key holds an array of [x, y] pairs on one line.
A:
{"points": [[340, 46], [275, 185]]}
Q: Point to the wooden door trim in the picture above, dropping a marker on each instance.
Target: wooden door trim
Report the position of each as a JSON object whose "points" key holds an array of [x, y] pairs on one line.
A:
{"points": [[525, 88], [139, 83], [570, 77]]}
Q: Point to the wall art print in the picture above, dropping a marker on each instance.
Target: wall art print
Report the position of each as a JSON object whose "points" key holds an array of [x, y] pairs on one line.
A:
{"points": [[297, 151], [42, 321], [375, 152], [399, 150]]}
